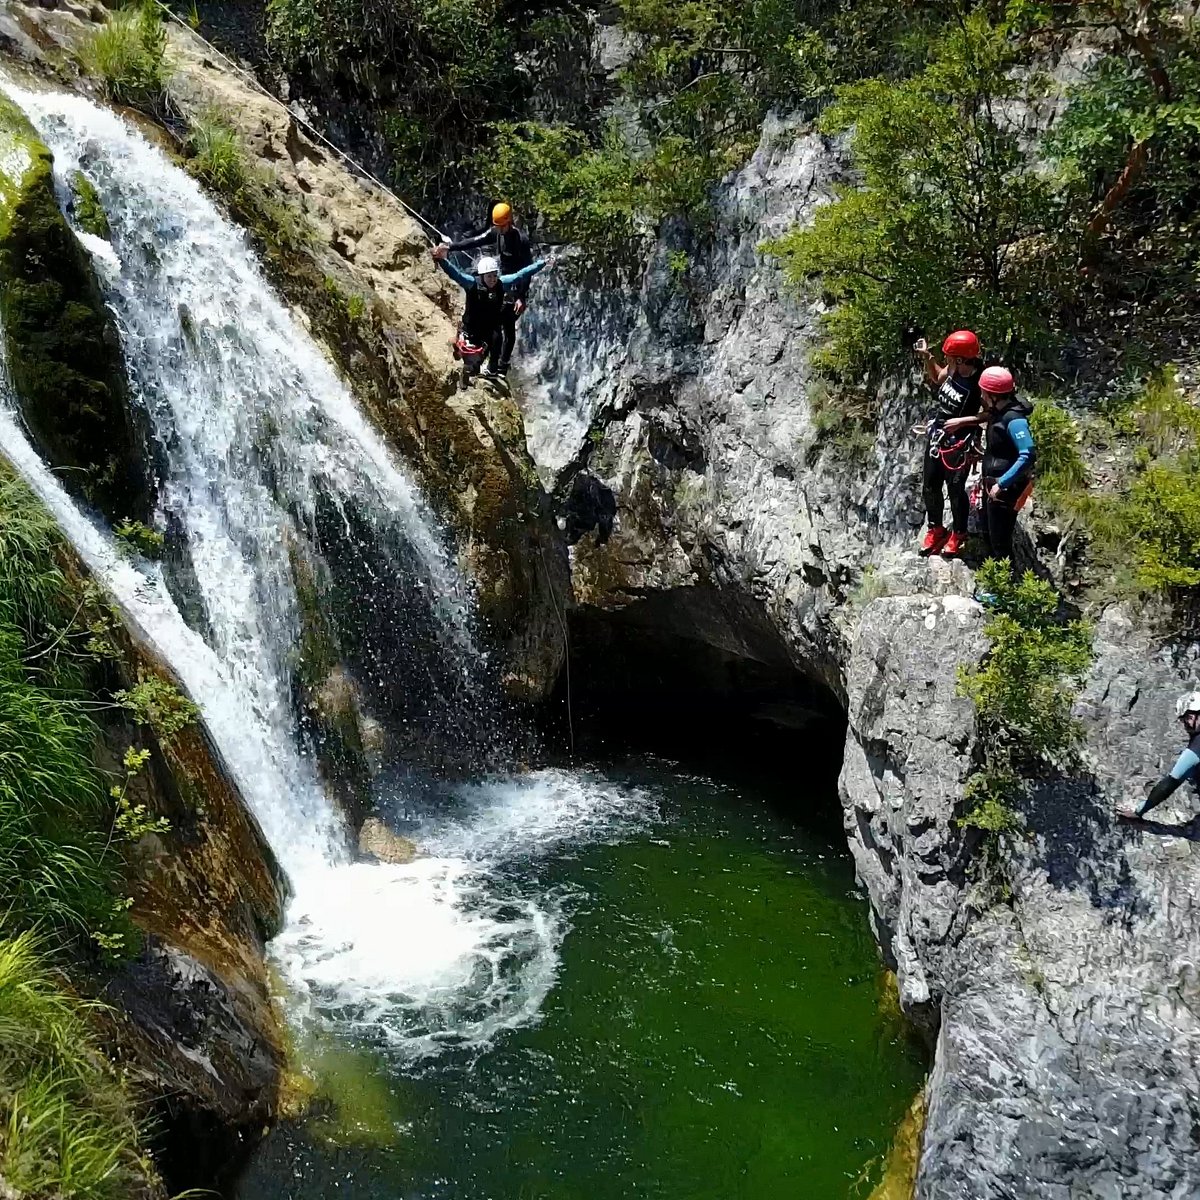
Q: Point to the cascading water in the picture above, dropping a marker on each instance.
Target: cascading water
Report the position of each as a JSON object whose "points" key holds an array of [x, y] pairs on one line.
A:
{"points": [[260, 449]]}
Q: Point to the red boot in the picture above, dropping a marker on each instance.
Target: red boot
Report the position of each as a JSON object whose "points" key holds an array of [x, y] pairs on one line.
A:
{"points": [[935, 539], [955, 544]]}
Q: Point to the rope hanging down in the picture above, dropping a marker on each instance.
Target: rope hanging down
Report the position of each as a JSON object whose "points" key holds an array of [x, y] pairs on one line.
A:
{"points": [[308, 126]]}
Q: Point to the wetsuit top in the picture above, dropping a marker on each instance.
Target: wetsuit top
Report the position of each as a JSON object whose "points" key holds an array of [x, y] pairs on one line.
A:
{"points": [[958, 396], [510, 246], [481, 316], [1009, 453]]}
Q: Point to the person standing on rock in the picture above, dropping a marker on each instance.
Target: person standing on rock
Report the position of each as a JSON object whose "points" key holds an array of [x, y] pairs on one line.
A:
{"points": [[948, 458], [486, 293], [504, 241], [1008, 458], [1187, 765]]}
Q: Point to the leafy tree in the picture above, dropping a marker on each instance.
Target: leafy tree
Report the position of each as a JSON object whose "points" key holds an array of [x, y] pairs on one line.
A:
{"points": [[440, 70], [940, 225], [1134, 123]]}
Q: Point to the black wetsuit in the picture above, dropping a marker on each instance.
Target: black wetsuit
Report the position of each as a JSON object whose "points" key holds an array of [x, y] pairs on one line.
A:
{"points": [[511, 247], [1008, 459], [957, 396]]}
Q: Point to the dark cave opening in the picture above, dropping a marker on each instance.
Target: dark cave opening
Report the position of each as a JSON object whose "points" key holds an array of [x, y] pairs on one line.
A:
{"points": [[699, 676]]}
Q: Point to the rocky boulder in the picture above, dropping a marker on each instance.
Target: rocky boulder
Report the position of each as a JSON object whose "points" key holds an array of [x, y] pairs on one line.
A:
{"points": [[376, 840]]}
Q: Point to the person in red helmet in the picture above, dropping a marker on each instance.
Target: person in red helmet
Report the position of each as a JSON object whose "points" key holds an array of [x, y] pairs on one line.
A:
{"points": [[956, 384], [1008, 458]]}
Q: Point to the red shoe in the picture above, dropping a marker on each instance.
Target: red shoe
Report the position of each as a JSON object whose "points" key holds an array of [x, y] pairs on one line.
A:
{"points": [[955, 544], [935, 539]]}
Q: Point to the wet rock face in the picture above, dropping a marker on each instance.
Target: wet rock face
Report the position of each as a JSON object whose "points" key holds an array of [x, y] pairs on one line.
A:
{"points": [[62, 349]]}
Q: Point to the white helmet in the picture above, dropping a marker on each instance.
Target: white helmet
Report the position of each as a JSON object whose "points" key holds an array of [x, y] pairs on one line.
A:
{"points": [[1189, 702], [487, 266]]}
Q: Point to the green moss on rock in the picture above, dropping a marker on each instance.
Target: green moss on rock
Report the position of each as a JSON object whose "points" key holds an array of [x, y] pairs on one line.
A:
{"points": [[85, 203], [63, 355]]}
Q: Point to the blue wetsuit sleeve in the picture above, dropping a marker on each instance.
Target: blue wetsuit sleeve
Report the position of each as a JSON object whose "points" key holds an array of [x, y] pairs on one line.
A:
{"points": [[1022, 437], [1185, 764], [457, 274], [507, 281]]}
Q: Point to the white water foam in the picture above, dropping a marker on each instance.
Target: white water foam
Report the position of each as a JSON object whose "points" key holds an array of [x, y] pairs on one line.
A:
{"points": [[251, 422]]}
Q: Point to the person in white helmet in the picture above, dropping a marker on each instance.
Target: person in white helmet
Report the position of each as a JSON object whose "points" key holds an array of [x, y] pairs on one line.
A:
{"points": [[486, 291], [1187, 765]]}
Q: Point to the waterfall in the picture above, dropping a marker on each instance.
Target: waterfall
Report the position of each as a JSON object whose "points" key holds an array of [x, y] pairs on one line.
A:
{"points": [[259, 447]]}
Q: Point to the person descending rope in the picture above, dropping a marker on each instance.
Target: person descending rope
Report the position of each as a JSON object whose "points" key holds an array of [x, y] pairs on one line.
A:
{"points": [[486, 292], [949, 438], [1187, 765], [1008, 458], [506, 242]]}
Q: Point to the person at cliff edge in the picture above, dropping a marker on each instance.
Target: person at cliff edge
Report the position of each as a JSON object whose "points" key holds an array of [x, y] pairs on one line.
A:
{"points": [[1187, 765], [503, 240], [486, 292], [947, 458], [1009, 456]]}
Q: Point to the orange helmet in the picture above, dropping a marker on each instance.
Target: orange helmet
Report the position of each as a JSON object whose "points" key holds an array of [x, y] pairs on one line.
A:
{"points": [[502, 215], [962, 344]]}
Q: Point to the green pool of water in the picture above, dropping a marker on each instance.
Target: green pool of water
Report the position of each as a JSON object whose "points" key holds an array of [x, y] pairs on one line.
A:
{"points": [[719, 1027]]}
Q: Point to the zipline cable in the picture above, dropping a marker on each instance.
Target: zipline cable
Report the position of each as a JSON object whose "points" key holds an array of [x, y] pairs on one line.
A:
{"points": [[308, 126]]}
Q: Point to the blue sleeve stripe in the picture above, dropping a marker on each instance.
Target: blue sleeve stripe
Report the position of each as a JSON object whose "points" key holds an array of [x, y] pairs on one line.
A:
{"points": [[1022, 437], [1185, 764], [523, 273]]}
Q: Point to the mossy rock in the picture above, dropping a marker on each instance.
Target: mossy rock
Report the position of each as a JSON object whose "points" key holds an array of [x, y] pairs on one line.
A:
{"points": [[85, 204], [64, 357]]}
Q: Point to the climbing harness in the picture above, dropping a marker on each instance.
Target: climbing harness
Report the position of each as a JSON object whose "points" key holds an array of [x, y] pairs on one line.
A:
{"points": [[957, 452], [429, 226], [470, 355]]}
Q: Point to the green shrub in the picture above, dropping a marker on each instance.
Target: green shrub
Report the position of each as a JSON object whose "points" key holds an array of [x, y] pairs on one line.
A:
{"points": [[67, 1125], [1023, 693], [1060, 466], [128, 55], [1145, 536], [138, 537]]}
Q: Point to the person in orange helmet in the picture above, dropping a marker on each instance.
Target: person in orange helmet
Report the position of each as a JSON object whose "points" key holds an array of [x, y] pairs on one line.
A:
{"points": [[502, 239], [947, 457]]}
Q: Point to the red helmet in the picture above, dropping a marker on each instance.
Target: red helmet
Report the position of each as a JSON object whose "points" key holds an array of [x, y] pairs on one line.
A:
{"points": [[997, 380], [962, 344]]}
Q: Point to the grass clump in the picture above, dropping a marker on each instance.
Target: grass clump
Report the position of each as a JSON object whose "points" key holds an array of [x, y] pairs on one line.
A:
{"points": [[219, 159], [67, 1126], [1023, 693], [128, 55], [54, 815]]}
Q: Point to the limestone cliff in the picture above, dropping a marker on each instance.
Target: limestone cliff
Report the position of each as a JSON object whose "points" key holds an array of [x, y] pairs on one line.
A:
{"points": [[1064, 1003]]}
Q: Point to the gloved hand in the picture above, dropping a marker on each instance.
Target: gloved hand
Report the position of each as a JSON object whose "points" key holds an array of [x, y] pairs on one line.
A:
{"points": [[518, 307]]}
